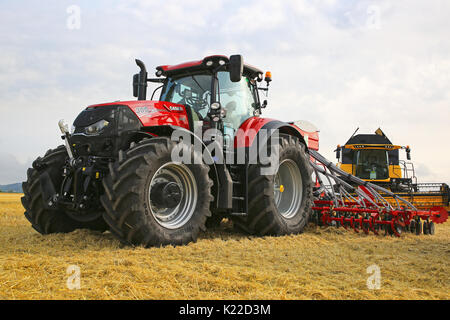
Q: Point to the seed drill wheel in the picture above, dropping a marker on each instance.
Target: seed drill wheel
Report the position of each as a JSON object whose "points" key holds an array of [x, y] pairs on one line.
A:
{"points": [[418, 227], [376, 226], [281, 203], [431, 228], [314, 218], [151, 200], [338, 223], [387, 227], [319, 219], [425, 227], [412, 226]]}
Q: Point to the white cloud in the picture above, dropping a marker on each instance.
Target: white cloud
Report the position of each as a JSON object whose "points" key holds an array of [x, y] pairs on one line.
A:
{"points": [[328, 66]]}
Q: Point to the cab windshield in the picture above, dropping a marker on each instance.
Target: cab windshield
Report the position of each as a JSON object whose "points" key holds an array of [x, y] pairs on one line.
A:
{"points": [[371, 164], [239, 99], [193, 91]]}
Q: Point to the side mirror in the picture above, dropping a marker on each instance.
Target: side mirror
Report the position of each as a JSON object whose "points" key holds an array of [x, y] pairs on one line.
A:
{"points": [[264, 104], [408, 154], [236, 67], [338, 152], [135, 84]]}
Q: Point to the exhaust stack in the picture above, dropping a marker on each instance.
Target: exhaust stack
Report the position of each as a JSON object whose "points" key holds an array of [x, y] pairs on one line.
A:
{"points": [[140, 82]]}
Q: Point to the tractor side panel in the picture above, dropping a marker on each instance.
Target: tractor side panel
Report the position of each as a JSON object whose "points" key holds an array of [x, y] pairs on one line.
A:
{"points": [[161, 113], [156, 113]]}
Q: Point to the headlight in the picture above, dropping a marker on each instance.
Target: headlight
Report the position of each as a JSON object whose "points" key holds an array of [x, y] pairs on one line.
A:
{"points": [[97, 127]]}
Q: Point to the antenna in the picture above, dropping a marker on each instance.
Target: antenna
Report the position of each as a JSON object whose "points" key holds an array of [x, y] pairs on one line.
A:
{"points": [[354, 133]]}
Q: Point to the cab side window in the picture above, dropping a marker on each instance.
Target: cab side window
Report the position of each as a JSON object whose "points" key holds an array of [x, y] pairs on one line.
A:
{"points": [[237, 98]]}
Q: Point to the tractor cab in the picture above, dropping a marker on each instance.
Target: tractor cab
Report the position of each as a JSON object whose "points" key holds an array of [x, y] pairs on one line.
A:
{"points": [[218, 91], [239, 100]]}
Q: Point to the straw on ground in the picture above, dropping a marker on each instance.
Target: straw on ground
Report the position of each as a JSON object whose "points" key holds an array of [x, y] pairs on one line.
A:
{"points": [[325, 263]]}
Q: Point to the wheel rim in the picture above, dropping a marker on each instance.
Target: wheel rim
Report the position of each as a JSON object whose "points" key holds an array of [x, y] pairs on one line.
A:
{"points": [[172, 195], [288, 188]]}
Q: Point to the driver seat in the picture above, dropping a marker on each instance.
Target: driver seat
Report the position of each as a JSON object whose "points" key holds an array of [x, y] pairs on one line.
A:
{"points": [[195, 116]]}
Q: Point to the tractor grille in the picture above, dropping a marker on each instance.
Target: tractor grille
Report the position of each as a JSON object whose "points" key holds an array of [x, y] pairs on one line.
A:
{"points": [[122, 124]]}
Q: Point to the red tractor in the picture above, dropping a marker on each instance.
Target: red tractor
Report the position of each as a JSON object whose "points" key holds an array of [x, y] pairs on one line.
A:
{"points": [[117, 171]]}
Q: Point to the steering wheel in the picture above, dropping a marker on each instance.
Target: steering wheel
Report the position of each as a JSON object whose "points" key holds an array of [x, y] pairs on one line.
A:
{"points": [[197, 103]]}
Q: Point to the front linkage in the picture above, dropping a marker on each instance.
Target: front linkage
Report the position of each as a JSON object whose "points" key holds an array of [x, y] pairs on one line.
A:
{"points": [[78, 193]]}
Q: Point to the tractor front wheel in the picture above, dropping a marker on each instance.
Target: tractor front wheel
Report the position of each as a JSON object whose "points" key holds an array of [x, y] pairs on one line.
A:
{"points": [[151, 200]]}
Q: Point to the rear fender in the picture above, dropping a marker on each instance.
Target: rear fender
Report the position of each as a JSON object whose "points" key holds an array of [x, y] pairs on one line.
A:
{"points": [[261, 129]]}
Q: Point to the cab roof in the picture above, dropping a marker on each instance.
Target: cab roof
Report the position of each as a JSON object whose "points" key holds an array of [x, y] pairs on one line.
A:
{"points": [[199, 65], [368, 139]]}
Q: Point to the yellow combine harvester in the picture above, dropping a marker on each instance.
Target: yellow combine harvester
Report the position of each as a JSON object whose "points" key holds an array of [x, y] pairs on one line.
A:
{"points": [[373, 158]]}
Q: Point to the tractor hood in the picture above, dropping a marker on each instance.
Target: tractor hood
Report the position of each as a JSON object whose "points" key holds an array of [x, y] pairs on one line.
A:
{"points": [[104, 129], [154, 113]]}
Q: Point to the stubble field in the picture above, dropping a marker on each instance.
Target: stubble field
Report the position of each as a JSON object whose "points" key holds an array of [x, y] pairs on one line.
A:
{"points": [[322, 263]]}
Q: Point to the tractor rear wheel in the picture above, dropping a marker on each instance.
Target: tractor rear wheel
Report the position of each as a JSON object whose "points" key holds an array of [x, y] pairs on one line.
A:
{"points": [[151, 200], [43, 219], [281, 203]]}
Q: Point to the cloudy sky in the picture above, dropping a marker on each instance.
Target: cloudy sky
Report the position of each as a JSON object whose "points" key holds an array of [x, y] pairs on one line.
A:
{"points": [[339, 64]]}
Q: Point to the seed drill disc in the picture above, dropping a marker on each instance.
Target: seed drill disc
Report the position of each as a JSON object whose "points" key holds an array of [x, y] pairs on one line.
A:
{"points": [[442, 217]]}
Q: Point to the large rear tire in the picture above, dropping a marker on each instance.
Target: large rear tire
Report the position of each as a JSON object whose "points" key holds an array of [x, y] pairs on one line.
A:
{"points": [[44, 220], [151, 200], [280, 204]]}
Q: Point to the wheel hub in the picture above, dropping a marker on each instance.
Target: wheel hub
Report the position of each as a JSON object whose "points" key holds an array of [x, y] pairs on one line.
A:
{"points": [[288, 188], [173, 195], [166, 194]]}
